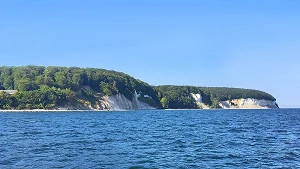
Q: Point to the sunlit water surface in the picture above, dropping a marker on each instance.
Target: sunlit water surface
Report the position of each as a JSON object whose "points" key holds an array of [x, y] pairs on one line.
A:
{"points": [[151, 139]]}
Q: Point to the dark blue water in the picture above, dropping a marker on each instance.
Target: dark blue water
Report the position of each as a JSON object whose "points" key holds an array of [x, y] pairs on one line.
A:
{"points": [[151, 139]]}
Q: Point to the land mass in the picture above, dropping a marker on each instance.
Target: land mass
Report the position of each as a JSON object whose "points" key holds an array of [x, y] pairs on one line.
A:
{"points": [[74, 88]]}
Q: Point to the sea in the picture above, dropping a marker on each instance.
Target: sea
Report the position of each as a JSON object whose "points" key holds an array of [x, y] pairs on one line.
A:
{"points": [[179, 139]]}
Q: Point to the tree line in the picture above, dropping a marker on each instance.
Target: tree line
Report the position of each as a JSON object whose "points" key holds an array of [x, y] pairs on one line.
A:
{"points": [[47, 87]]}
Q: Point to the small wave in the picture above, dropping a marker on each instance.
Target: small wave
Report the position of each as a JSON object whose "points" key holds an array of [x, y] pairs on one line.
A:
{"points": [[6, 162], [32, 132], [138, 167], [236, 130], [234, 156]]}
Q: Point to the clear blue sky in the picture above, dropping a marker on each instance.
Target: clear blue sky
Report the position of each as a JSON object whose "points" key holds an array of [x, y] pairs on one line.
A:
{"points": [[235, 43]]}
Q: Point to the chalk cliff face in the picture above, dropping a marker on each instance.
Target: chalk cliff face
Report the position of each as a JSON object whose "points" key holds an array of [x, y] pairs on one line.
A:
{"points": [[120, 102], [199, 102], [248, 103]]}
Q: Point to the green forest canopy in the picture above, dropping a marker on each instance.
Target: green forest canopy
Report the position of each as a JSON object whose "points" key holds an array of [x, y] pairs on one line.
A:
{"points": [[48, 87]]}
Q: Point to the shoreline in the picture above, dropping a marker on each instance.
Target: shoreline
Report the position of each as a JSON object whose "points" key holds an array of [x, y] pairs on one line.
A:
{"points": [[122, 110], [44, 110]]}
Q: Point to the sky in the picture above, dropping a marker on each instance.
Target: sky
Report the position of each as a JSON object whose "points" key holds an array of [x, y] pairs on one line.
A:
{"points": [[234, 43]]}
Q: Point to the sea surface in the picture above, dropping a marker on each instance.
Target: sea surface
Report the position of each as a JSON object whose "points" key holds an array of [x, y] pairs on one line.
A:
{"points": [[151, 139]]}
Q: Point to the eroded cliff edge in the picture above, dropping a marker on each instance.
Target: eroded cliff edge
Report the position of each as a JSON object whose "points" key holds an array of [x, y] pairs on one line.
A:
{"points": [[120, 102], [248, 103]]}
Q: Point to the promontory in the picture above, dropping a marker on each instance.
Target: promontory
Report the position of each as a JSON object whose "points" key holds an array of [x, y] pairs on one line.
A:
{"points": [[74, 88]]}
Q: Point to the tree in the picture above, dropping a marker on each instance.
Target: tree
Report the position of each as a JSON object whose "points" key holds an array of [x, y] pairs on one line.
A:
{"points": [[24, 84], [105, 88], [61, 79], [164, 102]]}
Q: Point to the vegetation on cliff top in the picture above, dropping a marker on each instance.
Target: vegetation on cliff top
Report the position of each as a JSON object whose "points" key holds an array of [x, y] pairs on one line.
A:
{"points": [[49, 87], [180, 96]]}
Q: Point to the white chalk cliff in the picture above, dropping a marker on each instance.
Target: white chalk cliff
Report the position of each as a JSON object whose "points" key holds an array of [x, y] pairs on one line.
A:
{"points": [[120, 102], [248, 103], [198, 99]]}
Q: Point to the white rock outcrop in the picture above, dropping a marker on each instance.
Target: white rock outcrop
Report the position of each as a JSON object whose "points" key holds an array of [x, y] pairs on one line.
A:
{"points": [[248, 103], [198, 99], [120, 102]]}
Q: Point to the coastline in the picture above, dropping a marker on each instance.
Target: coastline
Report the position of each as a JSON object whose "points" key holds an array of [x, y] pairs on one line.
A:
{"points": [[119, 110], [44, 110]]}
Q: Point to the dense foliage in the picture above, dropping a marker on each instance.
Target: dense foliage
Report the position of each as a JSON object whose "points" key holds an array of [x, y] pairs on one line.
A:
{"points": [[175, 97], [49, 87]]}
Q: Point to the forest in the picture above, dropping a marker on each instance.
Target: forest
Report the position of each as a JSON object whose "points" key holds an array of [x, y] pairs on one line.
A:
{"points": [[40, 87]]}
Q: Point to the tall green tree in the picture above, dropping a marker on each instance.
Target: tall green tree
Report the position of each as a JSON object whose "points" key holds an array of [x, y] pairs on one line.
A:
{"points": [[164, 102]]}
